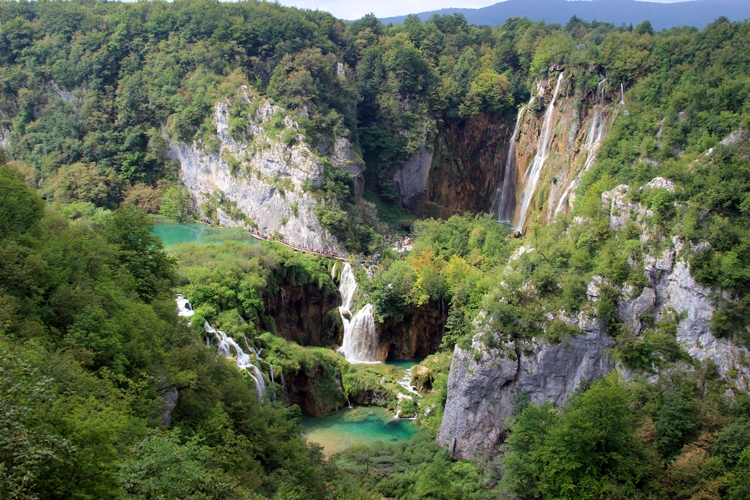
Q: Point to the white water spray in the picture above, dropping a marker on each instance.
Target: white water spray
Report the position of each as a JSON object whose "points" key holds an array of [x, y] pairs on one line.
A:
{"points": [[542, 152], [593, 141], [225, 348], [622, 94], [506, 194], [405, 382], [184, 308], [360, 342]]}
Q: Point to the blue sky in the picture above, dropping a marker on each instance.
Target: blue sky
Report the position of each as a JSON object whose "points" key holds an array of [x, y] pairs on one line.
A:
{"points": [[353, 9]]}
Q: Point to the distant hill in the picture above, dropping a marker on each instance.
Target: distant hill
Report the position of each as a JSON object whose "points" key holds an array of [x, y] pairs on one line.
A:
{"points": [[662, 15]]}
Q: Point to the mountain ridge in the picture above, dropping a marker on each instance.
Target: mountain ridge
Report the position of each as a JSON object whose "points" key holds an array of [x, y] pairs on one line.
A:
{"points": [[661, 15]]}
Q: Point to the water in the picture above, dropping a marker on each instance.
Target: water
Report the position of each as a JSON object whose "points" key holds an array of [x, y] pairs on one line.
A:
{"points": [[347, 428], [506, 199], [184, 308], [225, 348], [542, 152], [593, 141], [360, 344], [175, 234], [403, 364]]}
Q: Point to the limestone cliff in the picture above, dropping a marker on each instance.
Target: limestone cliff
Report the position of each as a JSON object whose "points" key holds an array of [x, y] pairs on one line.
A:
{"points": [[260, 180], [305, 315], [418, 335], [671, 288], [486, 380], [465, 166]]}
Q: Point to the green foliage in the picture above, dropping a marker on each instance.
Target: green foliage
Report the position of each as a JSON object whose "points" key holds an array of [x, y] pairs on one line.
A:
{"points": [[89, 343], [589, 450], [176, 203], [161, 466], [417, 469]]}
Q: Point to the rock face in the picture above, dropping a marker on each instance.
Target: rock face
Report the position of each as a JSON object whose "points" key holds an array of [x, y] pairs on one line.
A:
{"points": [[418, 335], [463, 167], [316, 392], [306, 315], [486, 380], [412, 179], [259, 182], [672, 289]]}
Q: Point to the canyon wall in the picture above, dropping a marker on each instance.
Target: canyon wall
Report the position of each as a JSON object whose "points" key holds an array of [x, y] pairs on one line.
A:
{"points": [[464, 167], [489, 380], [256, 179]]}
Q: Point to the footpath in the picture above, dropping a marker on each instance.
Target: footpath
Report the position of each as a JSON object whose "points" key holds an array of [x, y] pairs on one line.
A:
{"points": [[314, 251]]}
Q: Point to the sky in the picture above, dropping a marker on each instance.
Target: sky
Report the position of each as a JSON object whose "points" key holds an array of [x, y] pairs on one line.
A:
{"points": [[355, 9]]}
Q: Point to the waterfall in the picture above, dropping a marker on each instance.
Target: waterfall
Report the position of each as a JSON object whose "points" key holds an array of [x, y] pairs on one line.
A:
{"points": [[593, 141], [506, 194], [622, 94], [184, 308], [360, 336], [284, 390], [542, 152], [225, 348], [405, 382]]}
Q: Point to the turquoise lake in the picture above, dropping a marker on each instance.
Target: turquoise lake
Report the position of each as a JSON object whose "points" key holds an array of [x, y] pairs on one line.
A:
{"points": [[349, 427], [175, 234], [338, 431]]}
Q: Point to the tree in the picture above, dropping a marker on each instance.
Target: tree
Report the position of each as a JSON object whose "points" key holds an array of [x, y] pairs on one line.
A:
{"points": [[176, 203], [140, 251], [20, 207]]}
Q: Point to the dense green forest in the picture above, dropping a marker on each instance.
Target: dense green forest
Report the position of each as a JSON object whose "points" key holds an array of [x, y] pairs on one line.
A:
{"points": [[92, 93]]}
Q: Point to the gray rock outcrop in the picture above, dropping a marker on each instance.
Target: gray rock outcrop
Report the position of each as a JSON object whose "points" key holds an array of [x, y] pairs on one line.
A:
{"points": [[486, 380], [412, 178], [263, 178]]}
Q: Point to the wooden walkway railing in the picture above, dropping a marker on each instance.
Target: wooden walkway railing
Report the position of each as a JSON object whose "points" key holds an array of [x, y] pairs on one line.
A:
{"points": [[324, 253]]}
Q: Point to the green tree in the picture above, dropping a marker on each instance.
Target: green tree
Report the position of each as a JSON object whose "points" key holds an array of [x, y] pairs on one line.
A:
{"points": [[176, 204]]}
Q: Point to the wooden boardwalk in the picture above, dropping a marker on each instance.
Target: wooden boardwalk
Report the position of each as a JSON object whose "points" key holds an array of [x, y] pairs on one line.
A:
{"points": [[329, 255]]}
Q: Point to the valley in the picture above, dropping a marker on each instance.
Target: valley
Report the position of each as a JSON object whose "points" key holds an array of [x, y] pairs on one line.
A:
{"points": [[254, 251]]}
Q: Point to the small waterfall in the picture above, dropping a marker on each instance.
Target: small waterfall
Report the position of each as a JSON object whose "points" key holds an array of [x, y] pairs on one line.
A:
{"points": [[405, 382], [506, 194], [225, 348], [184, 308], [593, 141], [622, 94], [284, 390], [542, 152], [360, 336]]}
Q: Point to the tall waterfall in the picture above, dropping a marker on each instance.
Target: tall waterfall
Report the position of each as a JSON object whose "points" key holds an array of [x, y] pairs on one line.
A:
{"points": [[360, 337], [593, 141], [542, 152], [225, 348], [506, 194]]}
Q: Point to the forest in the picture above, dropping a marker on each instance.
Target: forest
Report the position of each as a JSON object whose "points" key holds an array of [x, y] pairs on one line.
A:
{"points": [[93, 93]]}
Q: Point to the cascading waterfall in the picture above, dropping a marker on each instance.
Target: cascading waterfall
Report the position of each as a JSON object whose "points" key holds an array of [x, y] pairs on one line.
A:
{"points": [[622, 94], [593, 141], [506, 194], [405, 382], [225, 348], [360, 336], [542, 152], [184, 308]]}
